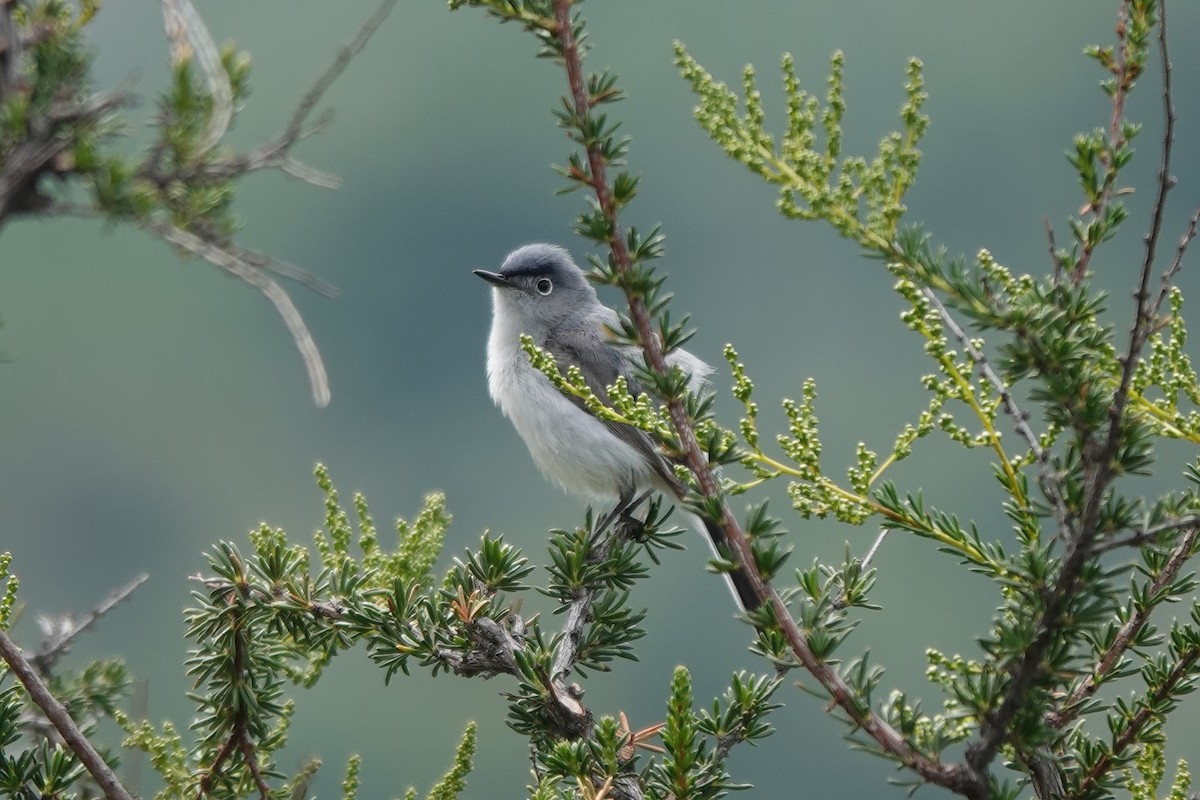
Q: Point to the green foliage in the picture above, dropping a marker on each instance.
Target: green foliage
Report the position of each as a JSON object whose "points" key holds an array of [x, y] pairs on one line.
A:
{"points": [[1151, 771], [1075, 674], [268, 619], [454, 782], [8, 600], [1066, 624], [279, 614], [862, 199]]}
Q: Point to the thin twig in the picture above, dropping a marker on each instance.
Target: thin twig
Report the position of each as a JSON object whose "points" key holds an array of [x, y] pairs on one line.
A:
{"points": [[1019, 418], [1055, 263], [1116, 138], [236, 264], [1181, 249], [870, 556], [1073, 705], [1150, 534], [1166, 181], [57, 714], [1098, 460], [275, 153], [955, 777], [58, 642]]}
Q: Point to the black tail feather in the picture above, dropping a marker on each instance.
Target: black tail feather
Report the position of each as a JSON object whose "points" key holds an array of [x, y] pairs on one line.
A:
{"points": [[739, 582]]}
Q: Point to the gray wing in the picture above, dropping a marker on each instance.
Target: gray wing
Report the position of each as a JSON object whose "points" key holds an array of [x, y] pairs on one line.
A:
{"points": [[601, 361]]}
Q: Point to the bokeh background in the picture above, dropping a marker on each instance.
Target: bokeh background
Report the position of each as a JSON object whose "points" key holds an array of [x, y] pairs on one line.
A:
{"points": [[152, 407]]}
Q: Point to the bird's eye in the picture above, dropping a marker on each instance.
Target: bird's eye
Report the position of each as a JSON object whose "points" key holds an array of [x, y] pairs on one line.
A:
{"points": [[544, 286]]}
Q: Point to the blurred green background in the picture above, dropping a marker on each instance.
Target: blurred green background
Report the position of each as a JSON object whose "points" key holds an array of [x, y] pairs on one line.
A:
{"points": [[152, 406]]}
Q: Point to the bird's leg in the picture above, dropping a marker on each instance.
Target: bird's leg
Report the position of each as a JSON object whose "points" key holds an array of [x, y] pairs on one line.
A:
{"points": [[628, 525], [622, 514]]}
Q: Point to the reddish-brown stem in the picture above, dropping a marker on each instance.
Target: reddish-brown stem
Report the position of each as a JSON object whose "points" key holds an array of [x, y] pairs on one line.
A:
{"points": [[1116, 138], [1112, 657], [1136, 723], [957, 778]]}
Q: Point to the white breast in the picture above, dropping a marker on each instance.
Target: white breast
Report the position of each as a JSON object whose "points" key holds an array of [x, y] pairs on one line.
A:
{"points": [[571, 447]]}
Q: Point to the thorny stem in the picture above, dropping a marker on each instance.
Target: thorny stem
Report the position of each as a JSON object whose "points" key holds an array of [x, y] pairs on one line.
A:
{"points": [[1166, 181], [1099, 469], [57, 714], [1138, 721], [1071, 708], [955, 777], [1116, 139]]}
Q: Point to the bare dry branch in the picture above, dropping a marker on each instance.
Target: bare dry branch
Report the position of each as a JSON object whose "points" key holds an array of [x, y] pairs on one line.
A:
{"points": [[235, 263], [60, 639], [276, 153], [190, 37], [57, 714]]}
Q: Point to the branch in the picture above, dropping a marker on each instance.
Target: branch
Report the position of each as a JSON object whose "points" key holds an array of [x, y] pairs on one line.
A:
{"points": [[249, 265], [1150, 534], [1166, 181], [57, 642], [955, 777], [1137, 722], [48, 139], [57, 714], [240, 738], [237, 263], [1073, 705], [276, 153], [1098, 460], [1019, 418], [1177, 264], [1052, 246], [1116, 139]]}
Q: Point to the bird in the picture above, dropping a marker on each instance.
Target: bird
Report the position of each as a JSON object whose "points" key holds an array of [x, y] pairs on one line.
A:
{"points": [[539, 291]]}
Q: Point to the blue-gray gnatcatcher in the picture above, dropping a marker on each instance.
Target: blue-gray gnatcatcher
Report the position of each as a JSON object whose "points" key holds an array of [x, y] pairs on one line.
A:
{"points": [[540, 291]]}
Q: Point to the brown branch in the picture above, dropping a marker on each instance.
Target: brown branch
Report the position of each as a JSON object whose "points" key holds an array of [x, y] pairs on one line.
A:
{"points": [[957, 778], [57, 642], [1136, 723], [1166, 181], [1181, 249], [1098, 458], [1116, 139], [57, 714], [248, 756], [1073, 705]]}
